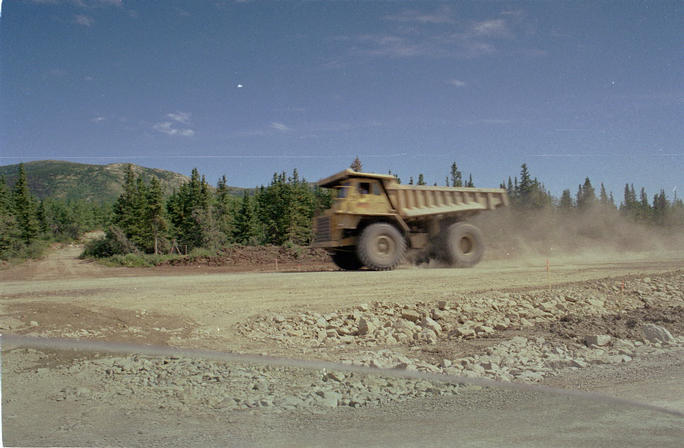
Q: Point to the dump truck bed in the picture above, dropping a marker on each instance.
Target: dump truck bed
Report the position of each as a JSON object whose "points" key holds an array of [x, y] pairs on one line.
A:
{"points": [[412, 201]]}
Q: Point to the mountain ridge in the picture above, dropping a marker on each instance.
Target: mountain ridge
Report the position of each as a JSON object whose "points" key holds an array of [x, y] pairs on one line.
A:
{"points": [[79, 181]]}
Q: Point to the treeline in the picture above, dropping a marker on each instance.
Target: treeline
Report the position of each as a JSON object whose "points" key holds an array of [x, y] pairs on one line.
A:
{"points": [[28, 225], [454, 179], [199, 216], [145, 219], [528, 193]]}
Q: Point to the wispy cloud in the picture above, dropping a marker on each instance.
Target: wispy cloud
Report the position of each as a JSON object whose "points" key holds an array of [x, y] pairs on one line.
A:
{"points": [[173, 127], [439, 33], [84, 20], [442, 15], [97, 119], [167, 127], [180, 117], [280, 126], [491, 28], [392, 45], [456, 83]]}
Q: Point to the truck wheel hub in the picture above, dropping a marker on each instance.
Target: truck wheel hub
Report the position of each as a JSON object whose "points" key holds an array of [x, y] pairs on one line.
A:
{"points": [[466, 245], [384, 245]]}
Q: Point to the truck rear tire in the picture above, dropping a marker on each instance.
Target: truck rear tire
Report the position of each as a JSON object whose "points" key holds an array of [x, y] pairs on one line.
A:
{"points": [[381, 247], [464, 245], [347, 260]]}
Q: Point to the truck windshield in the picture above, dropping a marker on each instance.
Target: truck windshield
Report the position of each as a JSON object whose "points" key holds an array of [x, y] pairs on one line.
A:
{"points": [[341, 191]]}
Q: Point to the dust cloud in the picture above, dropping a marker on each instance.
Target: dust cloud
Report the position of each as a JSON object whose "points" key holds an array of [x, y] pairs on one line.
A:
{"points": [[596, 233]]}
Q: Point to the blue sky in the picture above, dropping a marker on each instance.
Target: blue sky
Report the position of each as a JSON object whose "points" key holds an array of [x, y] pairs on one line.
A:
{"points": [[247, 88]]}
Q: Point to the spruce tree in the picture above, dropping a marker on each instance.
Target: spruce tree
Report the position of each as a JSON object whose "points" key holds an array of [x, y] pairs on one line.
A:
{"points": [[644, 213], [244, 230], [154, 217], [125, 213], [223, 204], [356, 165], [603, 197], [42, 218], [24, 208], [660, 206], [190, 213], [421, 179], [524, 187], [566, 200], [9, 230], [586, 197], [456, 176]]}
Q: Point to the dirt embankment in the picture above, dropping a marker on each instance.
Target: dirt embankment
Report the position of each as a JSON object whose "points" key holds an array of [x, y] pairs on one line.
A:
{"points": [[63, 262]]}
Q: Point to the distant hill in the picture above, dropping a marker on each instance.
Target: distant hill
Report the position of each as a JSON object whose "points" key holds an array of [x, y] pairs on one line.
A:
{"points": [[68, 180]]}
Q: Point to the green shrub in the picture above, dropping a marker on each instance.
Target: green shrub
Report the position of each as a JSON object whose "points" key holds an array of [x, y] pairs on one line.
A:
{"points": [[114, 243]]}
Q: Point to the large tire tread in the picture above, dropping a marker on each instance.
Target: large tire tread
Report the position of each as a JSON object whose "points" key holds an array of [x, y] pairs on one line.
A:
{"points": [[373, 237], [463, 245]]}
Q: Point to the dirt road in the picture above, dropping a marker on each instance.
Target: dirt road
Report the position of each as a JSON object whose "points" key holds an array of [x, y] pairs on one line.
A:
{"points": [[511, 321], [214, 303]]}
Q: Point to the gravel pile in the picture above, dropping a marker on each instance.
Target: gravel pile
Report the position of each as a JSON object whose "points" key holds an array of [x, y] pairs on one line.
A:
{"points": [[599, 322], [179, 384], [469, 317]]}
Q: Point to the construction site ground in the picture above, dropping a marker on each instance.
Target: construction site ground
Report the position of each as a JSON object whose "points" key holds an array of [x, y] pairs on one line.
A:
{"points": [[610, 325]]}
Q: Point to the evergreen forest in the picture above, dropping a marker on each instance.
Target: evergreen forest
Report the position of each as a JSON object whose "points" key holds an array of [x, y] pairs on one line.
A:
{"points": [[145, 219]]}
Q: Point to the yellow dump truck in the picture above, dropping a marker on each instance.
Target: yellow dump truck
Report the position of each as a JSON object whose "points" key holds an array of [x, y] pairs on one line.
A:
{"points": [[374, 220]]}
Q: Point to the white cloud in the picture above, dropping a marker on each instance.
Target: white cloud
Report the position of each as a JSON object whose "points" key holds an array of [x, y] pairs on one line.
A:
{"points": [[180, 117], [97, 119], [84, 20], [442, 15], [440, 33], [491, 28], [456, 83], [172, 127], [280, 126]]}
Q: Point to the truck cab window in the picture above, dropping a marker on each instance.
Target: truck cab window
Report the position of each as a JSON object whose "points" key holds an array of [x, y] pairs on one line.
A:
{"points": [[341, 192]]}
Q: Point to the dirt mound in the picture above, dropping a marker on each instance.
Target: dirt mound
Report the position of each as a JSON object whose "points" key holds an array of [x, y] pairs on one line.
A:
{"points": [[254, 255], [626, 325]]}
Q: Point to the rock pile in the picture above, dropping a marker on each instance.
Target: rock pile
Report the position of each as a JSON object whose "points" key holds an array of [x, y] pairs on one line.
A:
{"points": [[468, 317], [572, 313], [180, 383], [521, 359]]}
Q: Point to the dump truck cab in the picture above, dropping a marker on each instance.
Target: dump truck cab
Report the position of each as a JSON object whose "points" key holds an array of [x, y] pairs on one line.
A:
{"points": [[358, 199], [359, 195], [373, 220]]}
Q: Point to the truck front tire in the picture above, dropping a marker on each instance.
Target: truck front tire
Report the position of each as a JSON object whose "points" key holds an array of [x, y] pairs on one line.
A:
{"points": [[464, 245], [381, 247]]}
